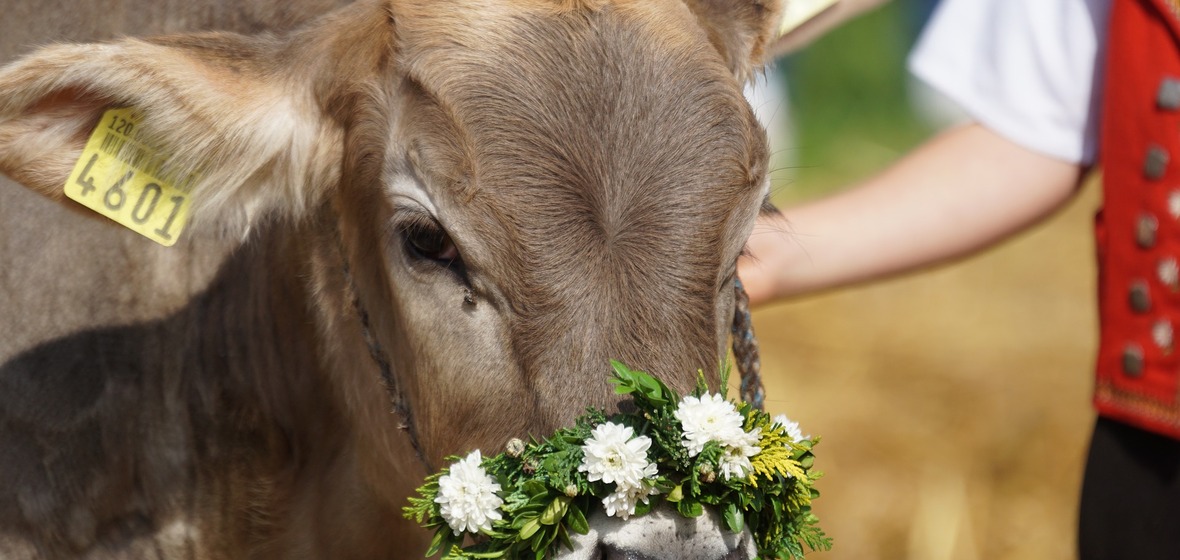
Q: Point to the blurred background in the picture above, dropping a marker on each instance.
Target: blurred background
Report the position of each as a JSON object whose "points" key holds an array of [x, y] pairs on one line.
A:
{"points": [[954, 404]]}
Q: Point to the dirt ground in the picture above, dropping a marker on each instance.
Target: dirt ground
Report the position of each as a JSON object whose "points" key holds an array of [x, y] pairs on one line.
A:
{"points": [[954, 404]]}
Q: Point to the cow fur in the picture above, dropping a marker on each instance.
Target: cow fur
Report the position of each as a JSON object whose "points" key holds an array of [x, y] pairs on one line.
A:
{"points": [[593, 162]]}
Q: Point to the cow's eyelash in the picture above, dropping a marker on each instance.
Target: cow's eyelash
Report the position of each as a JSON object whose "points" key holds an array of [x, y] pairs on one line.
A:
{"points": [[405, 219], [425, 239]]}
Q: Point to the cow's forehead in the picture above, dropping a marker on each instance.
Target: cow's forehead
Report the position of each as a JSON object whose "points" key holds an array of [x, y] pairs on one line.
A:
{"points": [[429, 25], [619, 108], [459, 51]]}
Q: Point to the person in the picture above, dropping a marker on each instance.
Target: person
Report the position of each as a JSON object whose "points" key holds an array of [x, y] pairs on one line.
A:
{"points": [[1053, 88]]}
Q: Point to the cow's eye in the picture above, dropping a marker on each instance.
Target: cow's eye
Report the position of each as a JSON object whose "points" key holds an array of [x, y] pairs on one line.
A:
{"points": [[428, 241]]}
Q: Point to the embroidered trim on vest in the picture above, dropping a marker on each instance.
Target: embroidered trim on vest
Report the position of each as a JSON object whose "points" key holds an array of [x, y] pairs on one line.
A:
{"points": [[1163, 413]]}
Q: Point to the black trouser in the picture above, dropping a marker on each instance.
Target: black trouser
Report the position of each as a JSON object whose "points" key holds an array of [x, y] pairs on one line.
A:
{"points": [[1130, 495]]}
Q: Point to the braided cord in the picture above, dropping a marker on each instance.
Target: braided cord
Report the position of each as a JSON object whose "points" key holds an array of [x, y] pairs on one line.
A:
{"points": [[745, 349]]}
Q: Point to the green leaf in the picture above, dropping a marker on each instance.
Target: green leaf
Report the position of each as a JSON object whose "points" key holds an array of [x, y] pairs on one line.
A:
{"points": [[734, 518], [564, 536], [523, 518], [437, 541], [534, 488], [690, 508], [676, 494], [576, 520], [541, 540], [492, 554], [807, 460], [555, 511], [442, 539], [653, 390], [622, 372], [529, 529], [649, 383], [713, 499]]}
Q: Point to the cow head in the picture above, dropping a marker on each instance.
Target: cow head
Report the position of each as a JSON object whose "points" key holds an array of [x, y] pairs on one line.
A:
{"points": [[512, 192]]}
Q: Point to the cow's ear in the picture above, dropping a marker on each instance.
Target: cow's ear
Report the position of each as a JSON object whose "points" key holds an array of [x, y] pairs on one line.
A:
{"points": [[244, 116], [742, 30]]}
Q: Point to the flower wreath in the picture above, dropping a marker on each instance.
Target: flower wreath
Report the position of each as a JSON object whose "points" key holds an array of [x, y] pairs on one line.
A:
{"points": [[696, 452]]}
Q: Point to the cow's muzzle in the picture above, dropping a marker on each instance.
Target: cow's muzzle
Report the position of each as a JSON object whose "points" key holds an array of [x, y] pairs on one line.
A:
{"points": [[661, 535], [609, 553]]}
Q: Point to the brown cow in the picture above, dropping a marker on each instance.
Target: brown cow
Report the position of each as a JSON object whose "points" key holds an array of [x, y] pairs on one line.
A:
{"points": [[458, 210]]}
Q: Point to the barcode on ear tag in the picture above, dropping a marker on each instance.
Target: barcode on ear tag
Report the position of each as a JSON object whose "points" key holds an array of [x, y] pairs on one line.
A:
{"points": [[118, 176], [798, 12]]}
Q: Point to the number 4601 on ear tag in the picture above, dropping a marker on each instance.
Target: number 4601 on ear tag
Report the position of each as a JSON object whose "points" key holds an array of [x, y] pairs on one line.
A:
{"points": [[119, 177]]}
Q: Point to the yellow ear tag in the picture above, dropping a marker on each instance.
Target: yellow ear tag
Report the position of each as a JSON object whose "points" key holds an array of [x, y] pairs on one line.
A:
{"points": [[119, 177], [798, 12]]}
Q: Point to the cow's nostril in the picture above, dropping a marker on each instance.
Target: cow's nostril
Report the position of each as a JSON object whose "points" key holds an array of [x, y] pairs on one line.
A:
{"points": [[737, 554], [612, 553]]}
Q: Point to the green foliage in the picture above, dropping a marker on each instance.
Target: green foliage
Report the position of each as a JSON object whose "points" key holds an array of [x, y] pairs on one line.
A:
{"points": [[850, 108], [546, 497], [649, 393]]}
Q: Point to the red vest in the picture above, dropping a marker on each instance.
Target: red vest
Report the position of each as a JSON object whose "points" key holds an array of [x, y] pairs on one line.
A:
{"points": [[1138, 229]]}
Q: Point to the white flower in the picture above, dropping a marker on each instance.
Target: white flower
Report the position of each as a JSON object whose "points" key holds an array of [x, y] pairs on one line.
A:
{"points": [[468, 496], [792, 428], [734, 464], [735, 461], [622, 502], [612, 455], [709, 418]]}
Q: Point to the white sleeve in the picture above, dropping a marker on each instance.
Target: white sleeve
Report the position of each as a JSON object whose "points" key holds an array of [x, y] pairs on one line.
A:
{"points": [[1028, 69]]}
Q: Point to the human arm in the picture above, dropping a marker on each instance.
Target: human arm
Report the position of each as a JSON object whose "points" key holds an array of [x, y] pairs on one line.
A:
{"points": [[962, 191]]}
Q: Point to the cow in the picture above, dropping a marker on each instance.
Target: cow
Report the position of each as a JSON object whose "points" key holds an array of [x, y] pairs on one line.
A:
{"points": [[417, 228]]}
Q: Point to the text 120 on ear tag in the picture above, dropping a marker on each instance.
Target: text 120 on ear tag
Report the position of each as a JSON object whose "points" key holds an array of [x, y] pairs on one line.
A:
{"points": [[119, 177]]}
